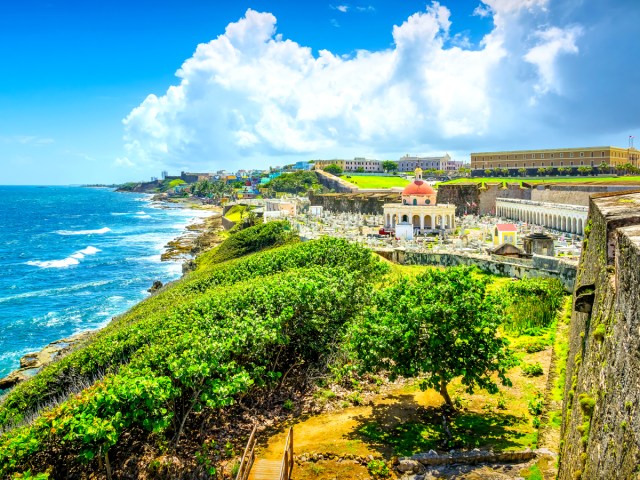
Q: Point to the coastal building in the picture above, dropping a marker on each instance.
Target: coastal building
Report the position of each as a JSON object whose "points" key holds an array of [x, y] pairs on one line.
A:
{"points": [[367, 166], [410, 163], [278, 208], [418, 210], [556, 216], [303, 165], [531, 160]]}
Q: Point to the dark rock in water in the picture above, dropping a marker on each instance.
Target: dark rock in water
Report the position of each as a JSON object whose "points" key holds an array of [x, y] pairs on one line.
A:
{"points": [[188, 266], [157, 285]]}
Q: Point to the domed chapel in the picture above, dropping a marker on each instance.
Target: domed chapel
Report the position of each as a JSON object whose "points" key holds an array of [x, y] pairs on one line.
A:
{"points": [[418, 211]]}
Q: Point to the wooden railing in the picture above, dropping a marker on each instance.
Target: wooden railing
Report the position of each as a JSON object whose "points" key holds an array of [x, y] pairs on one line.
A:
{"points": [[287, 458], [248, 457]]}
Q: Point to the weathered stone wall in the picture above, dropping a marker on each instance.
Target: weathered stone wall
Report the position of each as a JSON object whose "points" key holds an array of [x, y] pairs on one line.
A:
{"points": [[367, 203], [335, 183], [464, 197], [538, 266], [601, 420]]}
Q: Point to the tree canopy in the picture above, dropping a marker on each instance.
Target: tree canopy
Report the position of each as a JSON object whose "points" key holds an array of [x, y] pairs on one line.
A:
{"points": [[333, 169], [390, 166], [442, 324], [297, 182]]}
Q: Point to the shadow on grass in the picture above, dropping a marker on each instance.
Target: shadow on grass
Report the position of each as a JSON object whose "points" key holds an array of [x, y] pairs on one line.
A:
{"points": [[404, 428]]}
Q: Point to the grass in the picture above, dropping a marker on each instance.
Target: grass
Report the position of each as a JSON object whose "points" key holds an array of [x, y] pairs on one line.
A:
{"points": [[537, 180], [236, 213], [366, 181]]}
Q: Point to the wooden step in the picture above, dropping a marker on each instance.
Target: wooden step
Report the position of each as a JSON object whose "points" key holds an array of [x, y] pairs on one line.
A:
{"points": [[265, 470]]}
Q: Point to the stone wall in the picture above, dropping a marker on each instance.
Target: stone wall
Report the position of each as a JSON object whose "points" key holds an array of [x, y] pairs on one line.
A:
{"points": [[335, 183], [464, 196], [538, 266], [601, 414], [366, 203]]}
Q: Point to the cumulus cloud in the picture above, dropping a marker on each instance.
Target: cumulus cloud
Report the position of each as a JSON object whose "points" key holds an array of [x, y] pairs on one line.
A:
{"points": [[252, 95]]}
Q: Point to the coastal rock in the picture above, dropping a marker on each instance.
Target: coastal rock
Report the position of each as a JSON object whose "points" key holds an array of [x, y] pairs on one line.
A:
{"points": [[30, 360], [157, 285]]}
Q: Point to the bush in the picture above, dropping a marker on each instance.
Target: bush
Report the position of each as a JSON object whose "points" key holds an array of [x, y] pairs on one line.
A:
{"points": [[533, 304], [532, 369], [378, 469], [535, 346]]}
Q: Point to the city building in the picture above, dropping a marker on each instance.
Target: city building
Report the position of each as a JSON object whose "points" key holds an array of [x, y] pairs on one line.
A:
{"points": [[409, 163], [531, 160], [418, 210], [367, 166], [277, 208], [303, 165]]}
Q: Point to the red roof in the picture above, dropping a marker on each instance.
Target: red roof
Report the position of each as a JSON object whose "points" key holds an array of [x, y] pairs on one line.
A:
{"points": [[418, 187], [506, 227]]}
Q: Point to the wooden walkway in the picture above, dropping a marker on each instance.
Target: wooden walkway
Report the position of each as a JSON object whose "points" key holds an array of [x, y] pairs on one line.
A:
{"points": [[265, 470], [262, 469]]}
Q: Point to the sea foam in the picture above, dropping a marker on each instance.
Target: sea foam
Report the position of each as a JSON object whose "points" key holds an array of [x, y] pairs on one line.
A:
{"points": [[99, 231], [65, 262]]}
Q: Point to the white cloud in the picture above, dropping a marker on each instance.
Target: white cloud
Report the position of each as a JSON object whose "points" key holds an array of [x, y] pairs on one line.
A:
{"points": [[251, 96], [551, 43], [343, 8]]}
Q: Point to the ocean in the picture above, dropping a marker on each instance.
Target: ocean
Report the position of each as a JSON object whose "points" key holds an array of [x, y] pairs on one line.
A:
{"points": [[71, 258]]}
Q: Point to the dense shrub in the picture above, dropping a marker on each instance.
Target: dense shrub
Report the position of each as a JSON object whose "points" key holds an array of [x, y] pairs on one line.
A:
{"points": [[532, 303]]}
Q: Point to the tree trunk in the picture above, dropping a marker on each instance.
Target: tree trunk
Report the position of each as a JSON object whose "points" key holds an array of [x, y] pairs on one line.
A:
{"points": [[445, 394]]}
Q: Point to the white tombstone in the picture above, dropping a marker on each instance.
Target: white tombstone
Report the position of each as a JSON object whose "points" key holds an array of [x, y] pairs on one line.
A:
{"points": [[404, 230]]}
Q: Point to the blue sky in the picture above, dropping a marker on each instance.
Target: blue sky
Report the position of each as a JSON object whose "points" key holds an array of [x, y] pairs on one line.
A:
{"points": [[458, 76]]}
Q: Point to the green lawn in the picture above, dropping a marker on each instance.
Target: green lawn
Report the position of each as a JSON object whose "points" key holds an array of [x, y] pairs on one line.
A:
{"points": [[536, 180], [366, 181]]}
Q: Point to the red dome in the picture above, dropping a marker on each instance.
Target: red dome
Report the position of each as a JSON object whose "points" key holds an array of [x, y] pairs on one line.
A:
{"points": [[418, 187]]}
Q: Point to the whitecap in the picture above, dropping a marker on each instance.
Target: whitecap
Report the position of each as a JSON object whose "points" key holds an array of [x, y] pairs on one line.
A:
{"points": [[141, 212], [143, 216], [99, 231], [56, 291], [66, 262]]}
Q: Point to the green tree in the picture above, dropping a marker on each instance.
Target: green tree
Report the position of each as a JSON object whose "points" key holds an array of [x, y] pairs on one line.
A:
{"points": [[442, 324], [360, 170], [488, 172], [542, 171], [176, 182], [390, 166], [522, 171], [603, 167], [585, 169], [333, 169]]}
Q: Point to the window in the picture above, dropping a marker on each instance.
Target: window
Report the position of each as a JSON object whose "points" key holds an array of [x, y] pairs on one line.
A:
{"points": [[542, 155], [571, 155], [562, 155], [571, 163], [581, 162], [561, 163], [582, 154]]}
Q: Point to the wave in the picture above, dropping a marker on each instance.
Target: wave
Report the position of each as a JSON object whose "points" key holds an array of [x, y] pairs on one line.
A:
{"points": [[99, 231], [65, 262], [143, 216], [55, 291]]}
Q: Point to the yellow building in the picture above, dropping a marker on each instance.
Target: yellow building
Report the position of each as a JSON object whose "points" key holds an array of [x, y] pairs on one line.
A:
{"points": [[554, 158], [505, 233]]}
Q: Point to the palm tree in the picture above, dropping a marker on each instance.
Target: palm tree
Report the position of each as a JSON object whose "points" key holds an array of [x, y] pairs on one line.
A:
{"points": [[522, 171]]}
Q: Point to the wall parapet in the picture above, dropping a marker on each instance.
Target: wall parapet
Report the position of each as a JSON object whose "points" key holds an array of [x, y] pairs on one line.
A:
{"points": [[601, 416]]}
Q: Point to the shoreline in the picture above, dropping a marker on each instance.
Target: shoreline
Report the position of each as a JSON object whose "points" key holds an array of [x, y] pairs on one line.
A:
{"points": [[197, 237]]}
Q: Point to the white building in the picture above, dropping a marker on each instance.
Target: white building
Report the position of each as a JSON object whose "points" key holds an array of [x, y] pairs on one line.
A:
{"points": [[557, 216], [419, 209]]}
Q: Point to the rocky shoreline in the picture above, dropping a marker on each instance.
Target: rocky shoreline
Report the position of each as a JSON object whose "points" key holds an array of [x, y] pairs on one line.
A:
{"points": [[200, 236]]}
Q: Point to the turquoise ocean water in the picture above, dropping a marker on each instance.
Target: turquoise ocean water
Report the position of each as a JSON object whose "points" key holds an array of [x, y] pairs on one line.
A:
{"points": [[71, 258]]}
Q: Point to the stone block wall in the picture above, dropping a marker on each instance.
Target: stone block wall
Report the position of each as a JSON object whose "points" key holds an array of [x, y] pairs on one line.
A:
{"points": [[601, 411], [366, 203]]}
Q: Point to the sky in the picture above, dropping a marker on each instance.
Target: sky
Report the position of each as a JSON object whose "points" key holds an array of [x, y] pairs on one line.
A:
{"points": [[102, 92]]}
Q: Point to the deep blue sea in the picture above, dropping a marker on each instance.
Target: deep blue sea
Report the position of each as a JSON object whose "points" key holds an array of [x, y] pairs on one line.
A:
{"points": [[71, 258]]}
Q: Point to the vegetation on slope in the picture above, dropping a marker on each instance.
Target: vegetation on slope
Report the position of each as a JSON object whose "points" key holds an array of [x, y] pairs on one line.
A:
{"points": [[222, 332], [236, 328], [296, 182]]}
